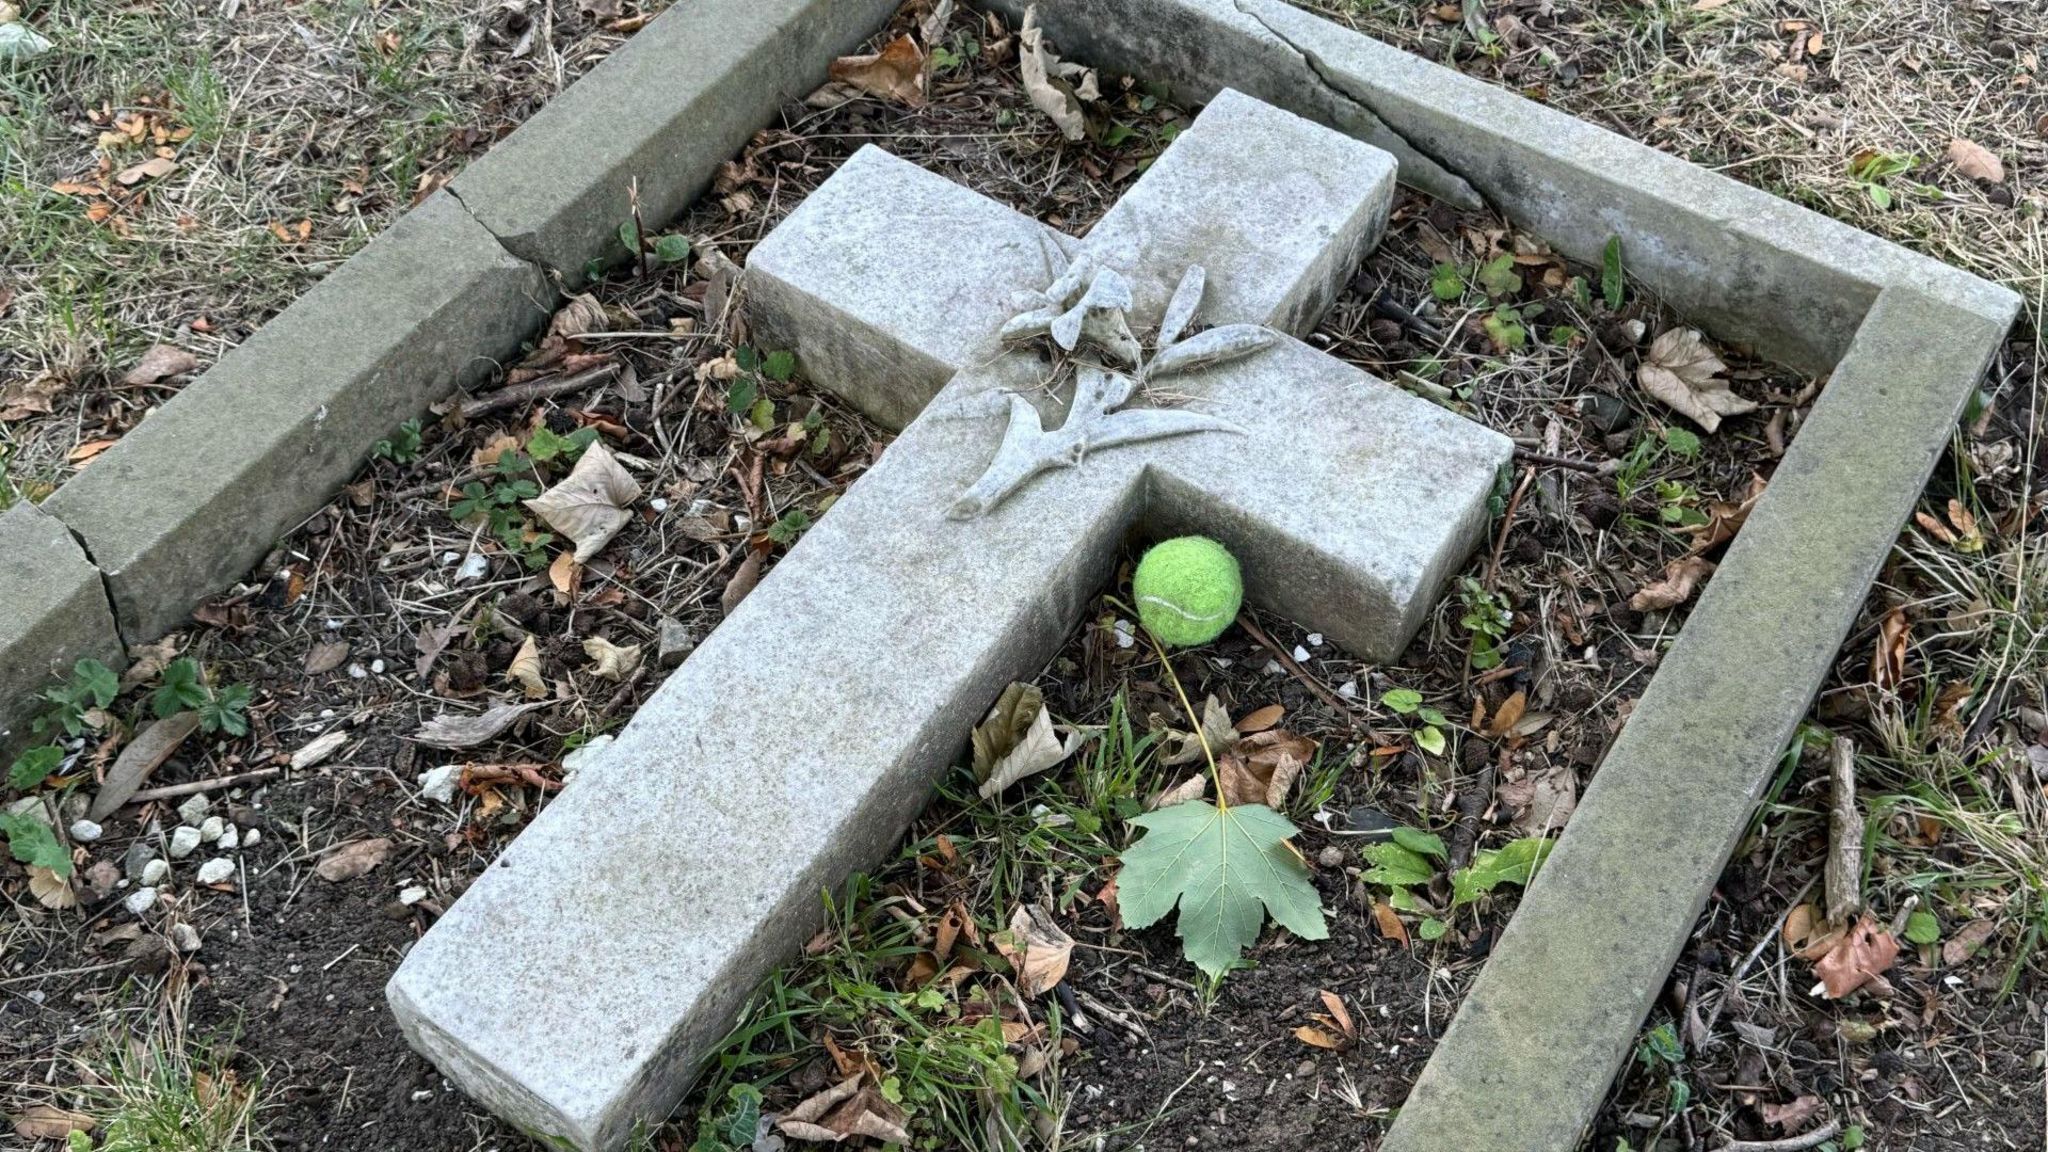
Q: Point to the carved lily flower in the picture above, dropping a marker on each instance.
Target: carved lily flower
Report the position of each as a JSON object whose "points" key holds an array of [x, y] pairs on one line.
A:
{"points": [[1086, 302]]}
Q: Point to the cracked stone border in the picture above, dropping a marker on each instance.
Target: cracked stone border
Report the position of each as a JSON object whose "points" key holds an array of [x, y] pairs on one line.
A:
{"points": [[201, 490]]}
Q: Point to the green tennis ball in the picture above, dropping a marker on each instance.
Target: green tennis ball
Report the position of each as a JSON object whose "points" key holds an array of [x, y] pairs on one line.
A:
{"points": [[1188, 590]]}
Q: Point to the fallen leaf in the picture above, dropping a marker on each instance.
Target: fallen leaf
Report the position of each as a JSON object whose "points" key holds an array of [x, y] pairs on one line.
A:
{"points": [[1193, 788], [525, 670], [562, 573], [1681, 577], [31, 397], [1726, 518], [1808, 934], [589, 507], [1320, 1039], [151, 747], [1684, 373], [50, 889], [161, 362], [580, 316], [1509, 715], [326, 656], [1037, 948], [1037, 750], [1389, 922], [1247, 864], [154, 168], [1888, 659], [1047, 79], [1261, 719], [90, 449], [1793, 1115], [353, 859], [1976, 161], [743, 580], [612, 661], [450, 731], [1860, 956], [1177, 747], [895, 73], [1339, 1014], [846, 1109], [319, 750], [1542, 801], [1262, 767], [1960, 947], [43, 1122]]}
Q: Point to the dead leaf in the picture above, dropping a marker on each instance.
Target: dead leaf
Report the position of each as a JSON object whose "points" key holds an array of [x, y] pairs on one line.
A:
{"points": [[895, 73], [1976, 161], [90, 449], [590, 506], [161, 362], [151, 747], [353, 859], [1808, 934], [1541, 801], [154, 168], [1792, 1116], [1726, 518], [1681, 577], [1509, 715], [450, 731], [1262, 767], [1177, 748], [50, 889], [1046, 80], [1389, 922], [580, 316], [1339, 1014], [1192, 788], [31, 397], [1004, 726], [1261, 719], [612, 661], [743, 580], [1320, 1039], [525, 670], [1888, 659], [562, 573], [1859, 957], [1018, 757], [317, 752], [326, 656], [1959, 948], [1684, 373], [1037, 948], [843, 1110], [43, 1122]]}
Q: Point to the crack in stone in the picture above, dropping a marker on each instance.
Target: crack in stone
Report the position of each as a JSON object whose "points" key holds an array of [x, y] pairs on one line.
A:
{"points": [[106, 583], [1335, 85], [547, 274]]}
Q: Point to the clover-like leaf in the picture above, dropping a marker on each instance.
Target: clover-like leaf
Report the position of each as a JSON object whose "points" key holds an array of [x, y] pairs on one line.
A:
{"points": [[1226, 869]]}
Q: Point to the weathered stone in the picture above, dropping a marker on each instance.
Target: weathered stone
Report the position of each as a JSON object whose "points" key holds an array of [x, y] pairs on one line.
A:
{"points": [[1554, 1013], [663, 112], [184, 841], [673, 642], [712, 875], [1736, 260], [216, 871], [202, 489], [53, 613]]}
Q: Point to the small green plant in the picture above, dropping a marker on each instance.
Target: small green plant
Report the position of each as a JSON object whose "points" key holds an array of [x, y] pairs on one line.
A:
{"points": [[1487, 617], [184, 689], [1498, 278], [744, 396], [90, 685], [1870, 169], [789, 526], [497, 507], [1678, 505], [1446, 283], [1410, 861], [31, 841], [34, 766], [1612, 281], [547, 447], [1661, 1052], [403, 446], [1429, 736], [1505, 328]]}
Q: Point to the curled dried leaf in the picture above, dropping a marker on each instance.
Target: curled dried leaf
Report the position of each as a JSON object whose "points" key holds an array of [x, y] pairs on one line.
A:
{"points": [[1683, 372], [1681, 578], [590, 506]]}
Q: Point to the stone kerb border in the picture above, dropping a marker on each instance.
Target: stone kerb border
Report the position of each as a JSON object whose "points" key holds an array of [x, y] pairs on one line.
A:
{"points": [[184, 504]]}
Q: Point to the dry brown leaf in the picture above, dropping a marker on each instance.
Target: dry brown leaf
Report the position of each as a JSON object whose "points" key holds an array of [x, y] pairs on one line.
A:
{"points": [[1793, 1115], [1509, 715], [353, 859], [154, 168], [44, 1122], [562, 573], [1261, 719], [50, 889], [1008, 719], [1177, 747], [451, 731], [1684, 373], [1976, 161], [1888, 659], [844, 1110], [1861, 955], [89, 450], [525, 670], [1047, 79], [612, 661], [1262, 767], [325, 656], [1958, 948], [1389, 922], [1339, 1014], [1541, 801], [31, 397], [895, 73], [1192, 788], [1726, 518], [743, 580], [161, 362], [591, 505], [1037, 948], [1808, 934], [1039, 750], [581, 315], [145, 754], [1681, 577], [1318, 1038]]}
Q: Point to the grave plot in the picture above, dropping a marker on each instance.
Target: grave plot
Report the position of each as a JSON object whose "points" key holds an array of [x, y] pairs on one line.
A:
{"points": [[880, 1014]]}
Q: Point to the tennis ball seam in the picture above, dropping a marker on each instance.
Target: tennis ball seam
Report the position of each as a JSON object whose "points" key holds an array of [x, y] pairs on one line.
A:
{"points": [[1163, 602]]}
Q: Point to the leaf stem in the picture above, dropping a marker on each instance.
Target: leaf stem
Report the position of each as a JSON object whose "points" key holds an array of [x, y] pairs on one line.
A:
{"points": [[1194, 720]]}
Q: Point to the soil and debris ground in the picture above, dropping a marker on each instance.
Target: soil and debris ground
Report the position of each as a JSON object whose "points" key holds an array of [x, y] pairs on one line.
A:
{"points": [[386, 610]]}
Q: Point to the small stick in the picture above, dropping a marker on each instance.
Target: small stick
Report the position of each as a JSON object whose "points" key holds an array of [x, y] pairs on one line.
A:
{"points": [[1094, 1003], [172, 791], [1244, 621], [1844, 867], [1546, 458], [1507, 521], [1813, 1139], [534, 390]]}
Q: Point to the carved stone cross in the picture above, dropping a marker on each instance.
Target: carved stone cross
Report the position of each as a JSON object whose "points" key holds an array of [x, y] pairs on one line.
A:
{"points": [[576, 984]]}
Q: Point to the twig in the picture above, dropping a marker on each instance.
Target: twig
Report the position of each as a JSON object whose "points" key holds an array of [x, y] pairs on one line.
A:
{"points": [[1813, 1139], [1096, 1005], [534, 390], [1844, 866], [1548, 460], [1507, 521], [172, 791], [1244, 621]]}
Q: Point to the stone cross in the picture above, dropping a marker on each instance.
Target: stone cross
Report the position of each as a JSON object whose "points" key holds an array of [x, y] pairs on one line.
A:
{"points": [[576, 984]]}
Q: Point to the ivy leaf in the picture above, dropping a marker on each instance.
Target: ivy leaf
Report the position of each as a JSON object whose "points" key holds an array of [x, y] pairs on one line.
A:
{"points": [[1446, 283], [32, 842], [1226, 868]]}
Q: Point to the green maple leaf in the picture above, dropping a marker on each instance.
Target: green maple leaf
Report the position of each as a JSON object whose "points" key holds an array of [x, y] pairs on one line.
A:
{"points": [[31, 842], [1226, 868]]}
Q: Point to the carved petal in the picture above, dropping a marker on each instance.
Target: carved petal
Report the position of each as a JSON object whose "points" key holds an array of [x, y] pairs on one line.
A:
{"points": [[1024, 326], [1097, 390], [1024, 453], [1180, 310], [1109, 331], [1066, 327], [1133, 425], [1216, 346], [1069, 283], [1109, 289]]}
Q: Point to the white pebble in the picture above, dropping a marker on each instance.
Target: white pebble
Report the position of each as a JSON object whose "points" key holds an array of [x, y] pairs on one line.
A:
{"points": [[1315, 639], [358, 672], [475, 566], [1300, 654], [230, 839], [438, 784], [184, 839], [377, 667], [153, 873], [184, 937], [250, 837], [658, 504], [1126, 634], [139, 901], [1348, 689], [85, 831], [450, 559], [216, 870], [1273, 668], [194, 809], [211, 828], [412, 895]]}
